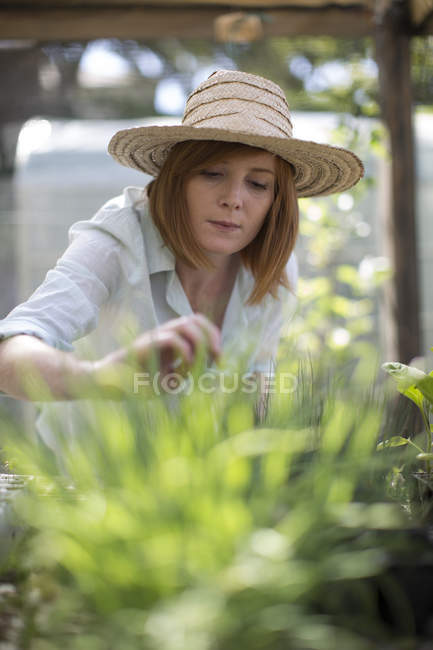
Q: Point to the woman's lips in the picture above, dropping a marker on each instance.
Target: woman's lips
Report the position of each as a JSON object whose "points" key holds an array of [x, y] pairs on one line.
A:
{"points": [[226, 226]]}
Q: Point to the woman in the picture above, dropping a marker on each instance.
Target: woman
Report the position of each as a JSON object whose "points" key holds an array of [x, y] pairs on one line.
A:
{"points": [[203, 261]]}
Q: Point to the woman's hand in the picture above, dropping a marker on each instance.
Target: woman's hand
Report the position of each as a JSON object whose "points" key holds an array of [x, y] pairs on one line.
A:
{"points": [[173, 346], [178, 342]]}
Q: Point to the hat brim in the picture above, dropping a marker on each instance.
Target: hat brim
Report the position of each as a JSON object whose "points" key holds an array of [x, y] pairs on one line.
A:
{"points": [[320, 169]]}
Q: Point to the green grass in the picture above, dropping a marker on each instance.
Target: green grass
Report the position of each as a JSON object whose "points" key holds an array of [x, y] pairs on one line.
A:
{"points": [[191, 526]]}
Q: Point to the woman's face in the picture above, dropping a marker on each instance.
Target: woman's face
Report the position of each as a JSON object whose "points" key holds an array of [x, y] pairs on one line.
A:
{"points": [[228, 200]]}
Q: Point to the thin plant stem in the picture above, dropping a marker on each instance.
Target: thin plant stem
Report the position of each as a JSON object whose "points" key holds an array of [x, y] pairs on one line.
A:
{"points": [[429, 439]]}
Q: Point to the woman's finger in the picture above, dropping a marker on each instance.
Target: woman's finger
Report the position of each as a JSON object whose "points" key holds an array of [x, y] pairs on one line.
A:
{"points": [[195, 334], [213, 333], [177, 342], [197, 329], [174, 350]]}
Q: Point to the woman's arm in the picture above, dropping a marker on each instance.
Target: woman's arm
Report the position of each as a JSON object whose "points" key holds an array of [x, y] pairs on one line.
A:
{"points": [[32, 370]]}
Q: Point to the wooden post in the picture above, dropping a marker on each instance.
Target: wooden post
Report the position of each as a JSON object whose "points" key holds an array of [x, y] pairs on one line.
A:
{"points": [[393, 32]]}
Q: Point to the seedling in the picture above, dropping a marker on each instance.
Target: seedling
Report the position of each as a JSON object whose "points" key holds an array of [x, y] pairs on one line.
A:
{"points": [[417, 386]]}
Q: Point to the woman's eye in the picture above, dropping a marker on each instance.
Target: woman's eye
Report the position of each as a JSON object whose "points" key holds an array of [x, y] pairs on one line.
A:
{"points": [[259, 186], [209, 173]]}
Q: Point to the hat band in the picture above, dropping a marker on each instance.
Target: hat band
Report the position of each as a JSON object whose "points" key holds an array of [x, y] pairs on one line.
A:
{"points": [[236, 122], [236, 115]]}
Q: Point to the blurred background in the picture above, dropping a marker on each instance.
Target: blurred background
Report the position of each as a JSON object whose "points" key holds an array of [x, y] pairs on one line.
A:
{"points": [[63, 97]]}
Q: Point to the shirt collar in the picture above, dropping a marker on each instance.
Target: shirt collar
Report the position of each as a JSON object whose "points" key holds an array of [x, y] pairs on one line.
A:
{"points": [[159, 256]]}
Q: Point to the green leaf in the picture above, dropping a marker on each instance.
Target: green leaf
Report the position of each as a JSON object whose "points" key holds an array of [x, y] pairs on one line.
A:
{"points": [[425, 385], [395, 441], [415, 395], [411, 382], [405, 376], [425, 456]]}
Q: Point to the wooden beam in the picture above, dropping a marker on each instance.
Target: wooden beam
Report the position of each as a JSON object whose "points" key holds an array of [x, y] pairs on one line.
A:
{"points": [[133, 21], [393, 58], [225, 5]]}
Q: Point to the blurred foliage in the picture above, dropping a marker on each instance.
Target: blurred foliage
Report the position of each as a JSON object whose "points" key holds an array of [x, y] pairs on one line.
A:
{"points": [[188, 525], [318, 73], [422, 70], [342, 276]]}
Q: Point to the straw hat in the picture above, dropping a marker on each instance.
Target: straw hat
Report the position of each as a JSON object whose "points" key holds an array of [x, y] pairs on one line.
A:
{"points": [[236, 106]]}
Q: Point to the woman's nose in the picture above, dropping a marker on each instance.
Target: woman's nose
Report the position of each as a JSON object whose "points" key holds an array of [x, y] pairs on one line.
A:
{"points": [[231, 195]]}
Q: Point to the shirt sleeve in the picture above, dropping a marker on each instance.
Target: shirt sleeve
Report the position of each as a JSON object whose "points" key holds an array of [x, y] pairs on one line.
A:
{"points": [[66, 305], [278, 313]]}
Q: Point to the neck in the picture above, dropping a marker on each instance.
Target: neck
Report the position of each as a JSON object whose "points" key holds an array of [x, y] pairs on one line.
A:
{"points": [[208, 291], [201, 279]]}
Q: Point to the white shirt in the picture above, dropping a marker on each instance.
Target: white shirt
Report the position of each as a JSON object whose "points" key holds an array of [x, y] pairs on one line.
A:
{"points": [[118, 278]]}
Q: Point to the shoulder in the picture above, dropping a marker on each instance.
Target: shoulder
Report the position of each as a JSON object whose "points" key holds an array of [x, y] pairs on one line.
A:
{"points": [[285, 295], [114, 236], [119, 218], [131, 200], [292, 271], [283, 305]]}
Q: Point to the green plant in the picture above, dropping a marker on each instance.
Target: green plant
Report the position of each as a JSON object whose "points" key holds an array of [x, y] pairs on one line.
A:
{"points": [[417, 386], [411, 479], [186, 525]]}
